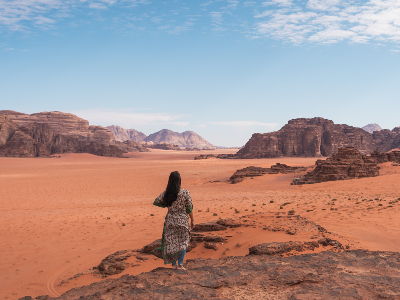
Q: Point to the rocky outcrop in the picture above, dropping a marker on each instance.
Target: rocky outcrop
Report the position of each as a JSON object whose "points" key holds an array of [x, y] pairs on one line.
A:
{"points": [[187, 139], [162, 146], [65, 124], [348, 163], [286, 248], [354, 274], [392, 156], [206, 156], [114, 263], [386, 140], [122, 134], [372, 127], [252, 171], [39, 140], [317, 137], [131, 146]]}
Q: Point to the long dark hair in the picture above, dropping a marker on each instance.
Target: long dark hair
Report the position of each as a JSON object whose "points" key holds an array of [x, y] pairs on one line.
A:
{"points": [[173, 188]]}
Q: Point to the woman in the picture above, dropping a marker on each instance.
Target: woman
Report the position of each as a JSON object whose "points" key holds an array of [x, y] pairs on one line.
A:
{"points": [[176, 233]]}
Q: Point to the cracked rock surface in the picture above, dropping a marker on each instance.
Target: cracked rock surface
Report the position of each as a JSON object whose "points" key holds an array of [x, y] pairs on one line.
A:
{"points": [[355, 274]]}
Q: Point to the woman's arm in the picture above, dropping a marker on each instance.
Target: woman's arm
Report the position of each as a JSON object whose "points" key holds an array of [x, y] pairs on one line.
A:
{"points": [[191, 220]]}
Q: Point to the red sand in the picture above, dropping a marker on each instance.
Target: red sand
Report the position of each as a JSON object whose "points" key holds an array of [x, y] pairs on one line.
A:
{"points": [[62, 216]]}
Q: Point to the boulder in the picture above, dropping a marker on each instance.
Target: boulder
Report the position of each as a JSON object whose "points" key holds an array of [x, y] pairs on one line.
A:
{"points": [[210, 246]]}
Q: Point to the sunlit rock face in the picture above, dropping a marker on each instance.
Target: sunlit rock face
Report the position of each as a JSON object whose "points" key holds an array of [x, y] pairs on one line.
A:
{"points": [[317, 137], [65, 124]]}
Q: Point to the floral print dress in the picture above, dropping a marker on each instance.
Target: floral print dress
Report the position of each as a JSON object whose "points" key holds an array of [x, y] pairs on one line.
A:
{"points": [[176, 233]]}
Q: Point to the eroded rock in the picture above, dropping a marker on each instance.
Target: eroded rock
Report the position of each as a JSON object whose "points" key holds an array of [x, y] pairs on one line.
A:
{"points": [[348, 163], [211, 226], [317, 137], [356, 274], [252, 171], [114, 263]]}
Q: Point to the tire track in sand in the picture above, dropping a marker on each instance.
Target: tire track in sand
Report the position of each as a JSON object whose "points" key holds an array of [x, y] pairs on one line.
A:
{"points": [[53, 279]]}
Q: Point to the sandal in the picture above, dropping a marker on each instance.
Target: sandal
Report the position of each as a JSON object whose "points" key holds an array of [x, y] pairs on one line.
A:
{"points": [[181, 267]]}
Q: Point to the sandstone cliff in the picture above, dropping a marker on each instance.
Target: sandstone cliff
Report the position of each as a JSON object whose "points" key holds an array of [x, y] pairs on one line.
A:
{"points": [[372, 127], [317, 137], [39, 140], [187, 139], [122, 135], [64, 124]]}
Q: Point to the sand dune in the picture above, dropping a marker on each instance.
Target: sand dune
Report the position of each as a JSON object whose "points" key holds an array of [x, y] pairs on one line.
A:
{"points": [[62, 216]]}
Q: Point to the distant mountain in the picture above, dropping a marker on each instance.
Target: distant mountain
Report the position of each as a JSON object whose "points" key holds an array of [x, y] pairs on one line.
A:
{"points": [[372, 127], [187, 139], [122, 134]]}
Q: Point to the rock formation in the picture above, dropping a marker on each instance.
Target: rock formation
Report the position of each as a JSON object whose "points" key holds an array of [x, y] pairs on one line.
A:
{"points": [[39, 140], [252, 171], [187, 139], [131, 146], [348, 163], [122, 135], [206, 156], [64, 124], [317, 137], [386, 140], [354, 274], [162, 146], [393, 156], [372, 127]]}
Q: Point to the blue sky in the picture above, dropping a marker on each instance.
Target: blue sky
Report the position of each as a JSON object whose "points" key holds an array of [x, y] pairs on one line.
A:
{"points": [[224, 69]]}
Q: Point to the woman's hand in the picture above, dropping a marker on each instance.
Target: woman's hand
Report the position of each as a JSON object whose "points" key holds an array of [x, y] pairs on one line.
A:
{"points": [[191, 225]]}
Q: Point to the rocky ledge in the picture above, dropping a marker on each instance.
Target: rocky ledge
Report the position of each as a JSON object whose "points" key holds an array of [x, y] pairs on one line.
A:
{"points": [[354, 274], [252, 171]]}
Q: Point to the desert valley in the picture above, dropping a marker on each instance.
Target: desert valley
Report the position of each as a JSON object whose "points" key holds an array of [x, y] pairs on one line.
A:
{"points": [[310, 211]]}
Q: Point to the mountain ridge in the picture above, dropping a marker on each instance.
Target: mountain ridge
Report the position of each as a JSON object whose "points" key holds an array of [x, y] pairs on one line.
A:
{"points": [[186, 139]]}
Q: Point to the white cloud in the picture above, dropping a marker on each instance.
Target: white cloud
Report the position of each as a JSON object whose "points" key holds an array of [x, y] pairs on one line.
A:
{"points": [[323, 4], [246, 124], [216, 17], [127, 118], [332, 21], [278, 2], [97, 6]]}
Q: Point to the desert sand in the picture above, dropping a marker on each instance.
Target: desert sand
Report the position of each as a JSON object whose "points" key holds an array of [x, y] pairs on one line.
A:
{"points": [[61, 216]]}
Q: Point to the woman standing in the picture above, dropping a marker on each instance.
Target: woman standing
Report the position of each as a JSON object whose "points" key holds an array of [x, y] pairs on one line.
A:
{"points": [[176, 233]]}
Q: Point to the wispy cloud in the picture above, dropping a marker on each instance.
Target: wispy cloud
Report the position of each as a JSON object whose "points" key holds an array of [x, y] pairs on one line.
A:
{"points": [[246, 124], [128, 118], [332, 21], [294, 21]]}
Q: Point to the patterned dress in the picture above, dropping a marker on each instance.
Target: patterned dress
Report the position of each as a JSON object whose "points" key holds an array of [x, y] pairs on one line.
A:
{"points": [[176, 233]]}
